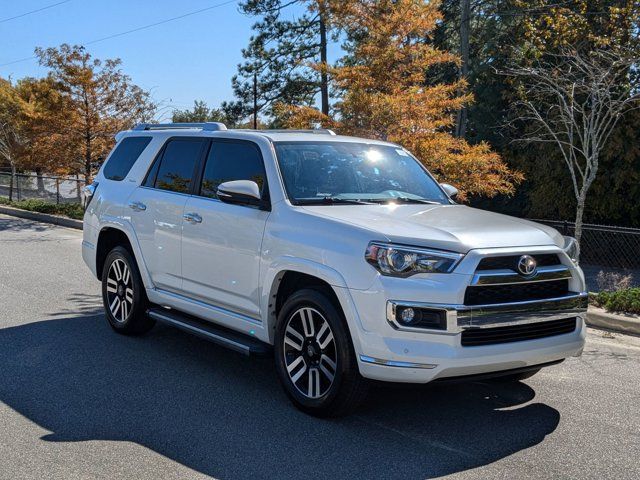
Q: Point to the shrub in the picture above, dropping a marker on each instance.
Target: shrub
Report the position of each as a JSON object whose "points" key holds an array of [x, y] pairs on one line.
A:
{"points": [[613, 281], [71, 210], [626, 301]]}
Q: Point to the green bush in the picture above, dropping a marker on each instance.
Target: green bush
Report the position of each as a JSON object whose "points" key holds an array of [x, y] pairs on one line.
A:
{"points": [[626, 301], [71, 210]]}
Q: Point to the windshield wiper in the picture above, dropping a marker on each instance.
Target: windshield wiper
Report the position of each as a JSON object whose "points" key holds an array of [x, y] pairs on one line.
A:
{"points": [[413, 200], [328, 200]]}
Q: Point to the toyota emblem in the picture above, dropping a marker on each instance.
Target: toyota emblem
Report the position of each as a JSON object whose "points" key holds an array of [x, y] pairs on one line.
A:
{"points": [[527, 265]]}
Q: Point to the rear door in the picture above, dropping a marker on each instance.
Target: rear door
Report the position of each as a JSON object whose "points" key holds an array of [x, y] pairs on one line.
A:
{"points": [[221, 248], [156, 209]]}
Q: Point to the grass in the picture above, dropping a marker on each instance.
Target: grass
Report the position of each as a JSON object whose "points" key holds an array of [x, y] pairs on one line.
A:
{"points": [[71, 210], [626, 300]]}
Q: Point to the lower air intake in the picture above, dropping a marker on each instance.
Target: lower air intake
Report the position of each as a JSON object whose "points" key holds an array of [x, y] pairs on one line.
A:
{"points": [[517, 333]]}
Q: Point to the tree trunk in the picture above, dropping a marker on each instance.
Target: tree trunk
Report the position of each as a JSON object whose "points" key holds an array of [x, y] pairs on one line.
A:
{"points": [[78, 188], [39, 182], [13, 175], [465, 18], [87, 159], [324, 80], [577, 233], [255, 101]]}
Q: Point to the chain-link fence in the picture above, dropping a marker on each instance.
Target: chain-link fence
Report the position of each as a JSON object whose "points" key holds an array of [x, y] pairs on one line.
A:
{"points": [[57, 190], [608, 254]]}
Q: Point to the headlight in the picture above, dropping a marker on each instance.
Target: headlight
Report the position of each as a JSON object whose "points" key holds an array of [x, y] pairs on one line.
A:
{"points": [[571, 248], [401, 261]]}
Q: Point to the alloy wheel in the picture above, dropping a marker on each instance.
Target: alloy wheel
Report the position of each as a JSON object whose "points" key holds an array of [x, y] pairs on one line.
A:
{"points": [[310, 352], [120, 290]]}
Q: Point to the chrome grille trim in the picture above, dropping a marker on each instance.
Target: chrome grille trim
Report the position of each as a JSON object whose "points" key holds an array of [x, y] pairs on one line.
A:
{"points": [[508, 277], [461, 317], [518, 313]]}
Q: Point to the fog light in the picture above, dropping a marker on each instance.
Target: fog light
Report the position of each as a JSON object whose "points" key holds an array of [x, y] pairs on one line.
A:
{"points": [[407, 315], [416, 317]]}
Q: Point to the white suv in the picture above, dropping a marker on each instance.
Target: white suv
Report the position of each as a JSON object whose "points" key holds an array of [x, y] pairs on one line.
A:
{"points": [[341, 254]]}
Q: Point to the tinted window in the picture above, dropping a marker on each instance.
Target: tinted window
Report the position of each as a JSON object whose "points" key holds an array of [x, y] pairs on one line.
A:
{"points": [[124, 156], [231, 161], [176, 168]]}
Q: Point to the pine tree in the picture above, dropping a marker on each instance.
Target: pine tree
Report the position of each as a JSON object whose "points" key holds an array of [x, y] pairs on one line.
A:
{"points": [[279, 57]]}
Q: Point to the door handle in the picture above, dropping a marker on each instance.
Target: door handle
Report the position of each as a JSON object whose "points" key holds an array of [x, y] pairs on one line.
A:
{"points": [[192, 217], [137, 206]]}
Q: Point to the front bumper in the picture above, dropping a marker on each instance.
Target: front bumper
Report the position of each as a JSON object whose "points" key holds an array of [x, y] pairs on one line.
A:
{"points": [[400, 354]]}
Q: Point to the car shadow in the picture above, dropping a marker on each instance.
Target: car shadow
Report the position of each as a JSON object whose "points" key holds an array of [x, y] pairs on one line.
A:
{"points": [[20, 224], [225, 415]]}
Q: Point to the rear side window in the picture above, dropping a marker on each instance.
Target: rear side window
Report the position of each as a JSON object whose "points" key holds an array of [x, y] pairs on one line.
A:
{"points": [[232, 161], [124, 156], [174, 170]]}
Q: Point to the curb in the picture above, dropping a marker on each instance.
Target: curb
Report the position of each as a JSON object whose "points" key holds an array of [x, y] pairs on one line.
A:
{"points": [[42, 217], [617, 322]]}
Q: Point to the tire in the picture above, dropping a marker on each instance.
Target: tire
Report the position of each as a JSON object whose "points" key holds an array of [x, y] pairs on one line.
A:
{"points": [[125, 301], [516, 377], [315, 360]]}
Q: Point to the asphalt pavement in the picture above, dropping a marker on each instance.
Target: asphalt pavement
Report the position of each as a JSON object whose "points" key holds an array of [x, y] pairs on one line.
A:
{"points": [[79, 401]]}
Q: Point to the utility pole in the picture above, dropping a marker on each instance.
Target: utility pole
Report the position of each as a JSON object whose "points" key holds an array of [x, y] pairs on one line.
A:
{"points": [[255, 100], [324, 80], [465, 19]]}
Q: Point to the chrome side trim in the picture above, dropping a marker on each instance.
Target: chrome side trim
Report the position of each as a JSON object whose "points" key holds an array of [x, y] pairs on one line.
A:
{"points": [[209, 306], [508, 277], [393, 363]]}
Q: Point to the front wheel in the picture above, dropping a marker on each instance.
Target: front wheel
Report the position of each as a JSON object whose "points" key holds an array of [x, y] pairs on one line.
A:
{"points": [[125, 302], [315, 359]]}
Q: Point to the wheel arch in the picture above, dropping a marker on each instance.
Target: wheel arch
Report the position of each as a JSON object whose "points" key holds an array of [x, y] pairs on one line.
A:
{"points": [[295, 275], [111, 236]]}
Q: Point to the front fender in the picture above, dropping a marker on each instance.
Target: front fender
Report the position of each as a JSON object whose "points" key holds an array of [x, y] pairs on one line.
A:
{"points": [[276, 270]]}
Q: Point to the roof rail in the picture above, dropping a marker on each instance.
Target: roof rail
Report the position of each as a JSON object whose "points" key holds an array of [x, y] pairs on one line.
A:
{"points": [[319, 131], [206, 126]]}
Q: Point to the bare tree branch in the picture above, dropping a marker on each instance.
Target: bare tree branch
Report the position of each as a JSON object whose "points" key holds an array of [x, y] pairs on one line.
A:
{"points": [[574, 100]]}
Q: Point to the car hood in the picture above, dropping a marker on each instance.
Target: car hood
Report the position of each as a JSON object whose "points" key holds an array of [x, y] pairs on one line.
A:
{"points": [[449, 227]]}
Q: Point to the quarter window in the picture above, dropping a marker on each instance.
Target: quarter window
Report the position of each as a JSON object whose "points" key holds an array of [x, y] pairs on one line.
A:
{"points": [[176, 167], [229, 161], [124, 156]]}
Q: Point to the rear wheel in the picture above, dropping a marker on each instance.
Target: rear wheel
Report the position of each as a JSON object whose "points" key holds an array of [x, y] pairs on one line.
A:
{"points": [[315, 358], [123, 296]]}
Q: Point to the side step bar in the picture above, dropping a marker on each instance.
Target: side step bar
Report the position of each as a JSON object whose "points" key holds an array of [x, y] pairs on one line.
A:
{"points": [[217, 334]]}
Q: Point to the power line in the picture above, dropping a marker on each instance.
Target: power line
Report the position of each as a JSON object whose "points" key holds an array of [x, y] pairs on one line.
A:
{"points": [[160, 22], [133, 30], [34, 11]]}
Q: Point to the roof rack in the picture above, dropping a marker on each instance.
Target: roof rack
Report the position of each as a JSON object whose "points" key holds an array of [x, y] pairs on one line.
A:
{"points": [[319, 131], [206, 126]]}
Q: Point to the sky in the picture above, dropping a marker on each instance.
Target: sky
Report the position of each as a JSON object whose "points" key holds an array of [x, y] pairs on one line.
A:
{"points": [[179, 61]]}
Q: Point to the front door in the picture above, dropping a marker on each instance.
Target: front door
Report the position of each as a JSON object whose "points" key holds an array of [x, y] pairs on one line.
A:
{"points": [[156, 209], [221, 243]]}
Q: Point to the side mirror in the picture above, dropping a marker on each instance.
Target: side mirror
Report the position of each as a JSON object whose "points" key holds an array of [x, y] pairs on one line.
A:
{"points": [[450, 190], [242, 192]]}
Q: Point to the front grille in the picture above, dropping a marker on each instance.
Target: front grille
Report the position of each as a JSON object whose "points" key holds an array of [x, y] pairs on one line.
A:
{"points": [[516, 292], [517, 333], [510, 262]]}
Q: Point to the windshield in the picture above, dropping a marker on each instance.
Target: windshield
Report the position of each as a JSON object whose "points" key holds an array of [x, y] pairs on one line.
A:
{"points": [[343, 172]]}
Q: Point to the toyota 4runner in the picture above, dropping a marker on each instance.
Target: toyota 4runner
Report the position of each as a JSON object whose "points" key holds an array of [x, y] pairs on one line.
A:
{"points": [[341, 255]]}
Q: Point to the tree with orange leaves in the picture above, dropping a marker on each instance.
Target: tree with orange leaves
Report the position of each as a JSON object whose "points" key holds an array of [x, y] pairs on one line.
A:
{"points": [[386, 93]]}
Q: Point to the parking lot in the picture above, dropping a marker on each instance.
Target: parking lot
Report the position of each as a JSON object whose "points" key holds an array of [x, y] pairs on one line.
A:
{"points": [[79, 401]]}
